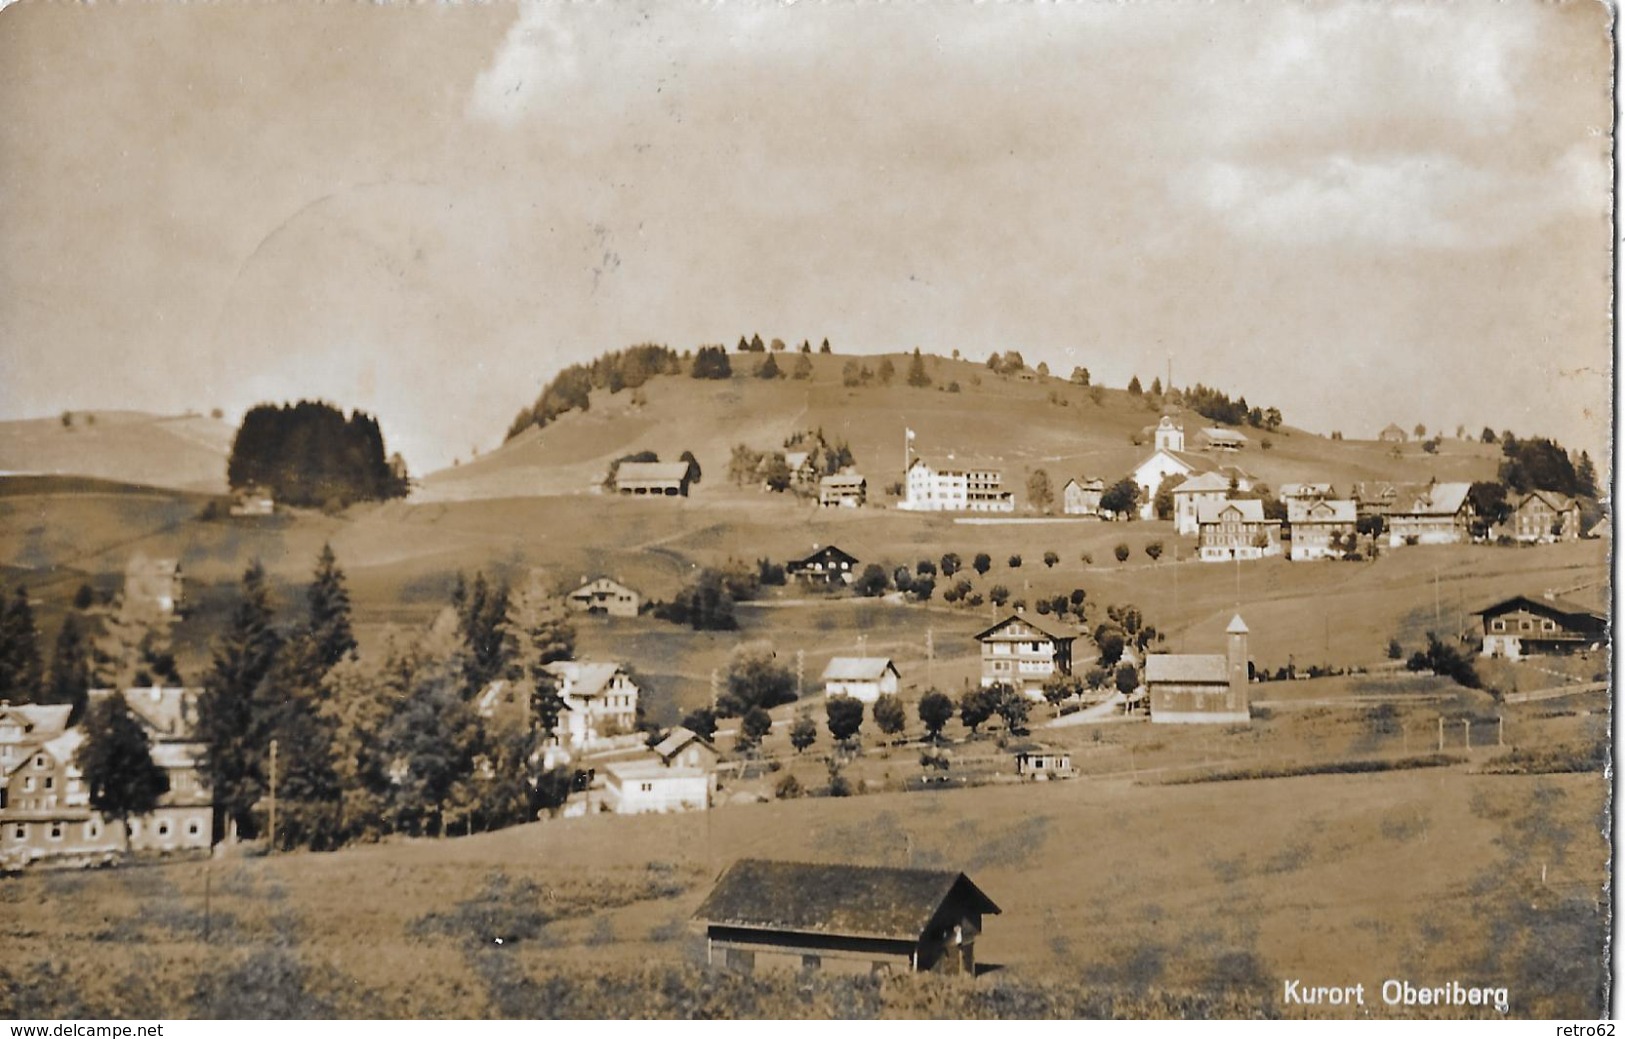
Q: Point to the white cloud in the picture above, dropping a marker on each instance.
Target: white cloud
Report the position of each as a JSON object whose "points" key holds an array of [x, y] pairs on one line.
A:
{"points": [[1423, 200], [537, 50]]}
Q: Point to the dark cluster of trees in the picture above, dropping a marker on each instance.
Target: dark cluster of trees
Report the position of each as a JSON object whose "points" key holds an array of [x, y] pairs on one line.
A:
{"points": [[614, 371], [1217, 405], [706, 601], [1445, 660], [309, 454], [1542, 464], [74, 657], [392, 744]]}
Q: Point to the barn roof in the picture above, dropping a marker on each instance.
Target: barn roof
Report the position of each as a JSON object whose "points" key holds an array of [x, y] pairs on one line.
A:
{"points": [[843, 480], [1251, 509], [1187, 667], [1553, 604], [858, 669], [586, 677], [851, 901], [1320, 510], [1442, 499], [1206, 483], [1223, 436], [635, 472], [676, 740], [827, 550]]}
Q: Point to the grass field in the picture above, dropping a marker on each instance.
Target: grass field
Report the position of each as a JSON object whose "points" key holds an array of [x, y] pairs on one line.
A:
{"points": [[1192, 892]]}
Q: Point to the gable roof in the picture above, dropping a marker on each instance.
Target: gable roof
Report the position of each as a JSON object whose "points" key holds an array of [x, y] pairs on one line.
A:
{"points": [[1553, 604], [1037, 623], [1087, 483], [1442, 499], [676, 740], [1302, 490], [587, 678], [1187, 667], [826, 551], [1251, 509], [1223, 436], [842, 480], [1320, 510], [1205, 483], [602, 583], [166, 712], [40, 720], [1557, 502], [857, 669], [852, 901]]}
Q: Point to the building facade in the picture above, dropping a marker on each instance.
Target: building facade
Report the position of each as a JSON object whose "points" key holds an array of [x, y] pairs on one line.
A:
{"points": [[843, 491], [1190, 495], [863, 678], [606, 597], [662, 479], [1320, 528], [1544, 516], [828, 565], [1236, 530], [1440, 514], [1202, 688], [1025, 652], [1081, 497], [950, 485], [600, 702], [1527, 625]]}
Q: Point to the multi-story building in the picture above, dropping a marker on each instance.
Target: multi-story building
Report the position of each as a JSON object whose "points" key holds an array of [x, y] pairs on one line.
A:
{"points": [[600, 701], [1319, 527], [1441, 514], [1081, 497], [1544, 516], [1526, 624], [1236, 530], [956, 485], [1025, 652]]}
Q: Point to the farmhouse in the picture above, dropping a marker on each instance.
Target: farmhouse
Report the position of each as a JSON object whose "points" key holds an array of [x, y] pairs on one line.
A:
{"points": [[1392, 434], [825, 566], [950, 485], [686, 748], [865, 678], [1025, 652], [1319, 526], [604, 596], [1213, 439], [802, 472], [1236, 530], [670, 479], [1441, 514], [1201, 688], [1081, 497], [1525, 625], [1545, 516], [843, 490], [1306, 492], [796, 916], [154, 583], [1188, 496], [600, 701]]}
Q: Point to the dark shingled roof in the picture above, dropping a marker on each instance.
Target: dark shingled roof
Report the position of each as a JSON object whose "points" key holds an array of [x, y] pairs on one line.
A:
{"points": [[851, 901]]}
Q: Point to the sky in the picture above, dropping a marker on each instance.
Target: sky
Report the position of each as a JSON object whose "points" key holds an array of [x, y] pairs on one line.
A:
{"points": [[1359, 213]]}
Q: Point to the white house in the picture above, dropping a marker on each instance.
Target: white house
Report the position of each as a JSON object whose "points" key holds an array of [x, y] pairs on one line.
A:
{"points": [[600, 701], [956, 485], [605, 596], [1082, 497], [1236, 530], [1188, 496], [645, 785], [865, 678], [1168, 458], [1314, 524]]}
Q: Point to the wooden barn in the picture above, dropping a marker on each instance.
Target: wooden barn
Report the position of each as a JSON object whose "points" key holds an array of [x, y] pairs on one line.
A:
{"points": [[1202, 688], [1529, 624], [765, 915]]}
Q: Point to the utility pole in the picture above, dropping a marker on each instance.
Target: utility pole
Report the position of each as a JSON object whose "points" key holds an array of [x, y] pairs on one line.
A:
{"points": [[1466, 734], [1500, 730], [1441, 734], [273, 797], [1435, 598], [801, 670], [930, 654], [713, 689]]}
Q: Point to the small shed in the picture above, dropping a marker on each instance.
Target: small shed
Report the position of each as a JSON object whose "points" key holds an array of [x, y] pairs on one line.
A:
{"points": [[853, 919], [866, 678]]}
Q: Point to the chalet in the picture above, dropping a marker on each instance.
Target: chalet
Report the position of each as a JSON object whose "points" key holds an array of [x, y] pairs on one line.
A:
{"points": [[865, 678], [1392, 434], [1306, 492], [843, 491], [685, 747], [1082, 497], [1168, 458], [1544, 516], [1188, 497], [1442, 514], [795, 916], [1525, 624], [1213, 439], [253, 501], [1025, 652], [803, 473], [155, 584], [1201, 688], [600, 701], [1235, 530], [45, 810], [956, 485], [1319, 527], [825, 566], [669, 479], [604, 596]]}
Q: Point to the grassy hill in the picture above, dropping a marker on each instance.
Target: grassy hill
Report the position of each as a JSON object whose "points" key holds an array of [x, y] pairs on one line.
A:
{"points": [[1042, 423], [181, 452]]}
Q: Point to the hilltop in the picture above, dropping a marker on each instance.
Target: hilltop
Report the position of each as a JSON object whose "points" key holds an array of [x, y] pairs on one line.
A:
{"points": [[1024, 420], [181, 452]]}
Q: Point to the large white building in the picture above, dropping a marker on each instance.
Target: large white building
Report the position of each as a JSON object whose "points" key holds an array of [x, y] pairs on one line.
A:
{"points": [[600, 701], [646, 785], [956, 485]]}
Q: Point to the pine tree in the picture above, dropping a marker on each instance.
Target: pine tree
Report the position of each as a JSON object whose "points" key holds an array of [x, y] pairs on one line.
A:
{"points": [[330, 612], [70, 668], [433, 737], [237, 739], [1134, 386], [117, 764], [21, 674], [357, 705], [481, 619], [824, 347], [1156, 386], [134, 647], [917, 375]]}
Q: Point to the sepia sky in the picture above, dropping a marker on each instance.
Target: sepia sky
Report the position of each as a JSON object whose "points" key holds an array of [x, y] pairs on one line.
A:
{"points": [[1360, 213]]}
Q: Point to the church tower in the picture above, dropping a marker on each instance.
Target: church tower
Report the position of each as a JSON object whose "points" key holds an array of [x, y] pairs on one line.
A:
{"points": [[1169, 436], [1236, 637]]}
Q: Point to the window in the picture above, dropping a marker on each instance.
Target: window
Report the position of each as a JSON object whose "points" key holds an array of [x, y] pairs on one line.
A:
{"points": [[50, 782], [1548, 625], [1498, 624], [163, 829], [194, 828], [19, 832], [28, 782], [56, 831], [39, 761], [646, 787], [92, 830]]}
